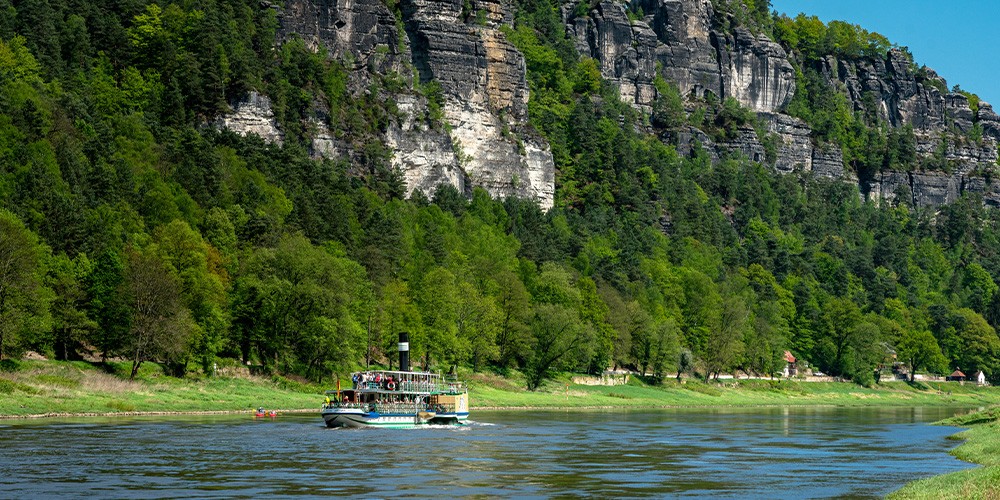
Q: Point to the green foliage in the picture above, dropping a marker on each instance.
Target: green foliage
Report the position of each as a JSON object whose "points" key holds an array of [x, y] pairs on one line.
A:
{"points": [[129, 220], [808, 36], [23, 297], [9, 386]]}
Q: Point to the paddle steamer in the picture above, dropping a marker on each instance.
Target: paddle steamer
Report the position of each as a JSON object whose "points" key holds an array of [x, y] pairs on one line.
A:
{"points": [[383, 398]]}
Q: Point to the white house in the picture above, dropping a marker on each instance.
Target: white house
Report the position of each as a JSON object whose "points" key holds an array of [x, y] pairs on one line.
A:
{"points": [[980, 378]]}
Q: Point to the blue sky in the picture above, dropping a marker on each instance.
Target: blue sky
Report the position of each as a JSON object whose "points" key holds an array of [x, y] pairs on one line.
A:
{"points": [[960, 39]]}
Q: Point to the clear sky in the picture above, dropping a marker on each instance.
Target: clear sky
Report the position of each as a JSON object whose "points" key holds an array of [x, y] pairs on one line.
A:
{"points": [[959, 39]]}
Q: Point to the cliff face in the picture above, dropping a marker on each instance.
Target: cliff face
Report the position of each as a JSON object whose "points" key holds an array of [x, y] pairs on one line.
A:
{"points": [[486, 95], [690, 49], [485, 139]]}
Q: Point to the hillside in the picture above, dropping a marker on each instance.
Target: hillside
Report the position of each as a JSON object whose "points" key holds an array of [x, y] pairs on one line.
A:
{"points": [[530, 186]]}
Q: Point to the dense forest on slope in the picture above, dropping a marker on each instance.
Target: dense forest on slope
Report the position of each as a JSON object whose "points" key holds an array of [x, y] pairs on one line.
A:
{"points": [[131, 227]]}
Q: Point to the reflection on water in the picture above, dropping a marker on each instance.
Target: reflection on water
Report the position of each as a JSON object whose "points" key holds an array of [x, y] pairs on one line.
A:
{"points": [[773, 452]]}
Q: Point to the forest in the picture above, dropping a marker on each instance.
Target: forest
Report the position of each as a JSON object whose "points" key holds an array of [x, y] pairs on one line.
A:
{"points": [[132, 229]]}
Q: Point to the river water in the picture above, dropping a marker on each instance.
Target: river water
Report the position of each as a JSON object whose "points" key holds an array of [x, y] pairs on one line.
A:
{"points": [[762, 453]]}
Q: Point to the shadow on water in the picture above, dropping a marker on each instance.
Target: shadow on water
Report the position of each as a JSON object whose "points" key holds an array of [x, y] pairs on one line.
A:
{"points": [[721, 453]]}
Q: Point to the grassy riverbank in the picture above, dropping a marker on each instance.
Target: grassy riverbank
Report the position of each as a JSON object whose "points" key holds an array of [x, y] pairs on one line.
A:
{"points": [[497, 392], [30, 388], [981, 446]]}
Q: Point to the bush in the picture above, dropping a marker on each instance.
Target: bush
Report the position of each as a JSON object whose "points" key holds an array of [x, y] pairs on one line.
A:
{"points": [[10, 365], [123, 406], [9, 386], [702, 388]]}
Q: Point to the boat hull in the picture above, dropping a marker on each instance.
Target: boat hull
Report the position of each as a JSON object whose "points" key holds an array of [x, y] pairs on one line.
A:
{"points": [[336, 417]]}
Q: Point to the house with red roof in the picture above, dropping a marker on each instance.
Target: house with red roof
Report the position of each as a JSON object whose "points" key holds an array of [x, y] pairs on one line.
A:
{"points": [[791, 368]]}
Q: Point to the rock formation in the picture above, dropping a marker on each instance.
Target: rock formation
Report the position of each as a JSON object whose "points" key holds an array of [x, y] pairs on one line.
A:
{"points": [[253, 116], [485, 139], [692, 50]]}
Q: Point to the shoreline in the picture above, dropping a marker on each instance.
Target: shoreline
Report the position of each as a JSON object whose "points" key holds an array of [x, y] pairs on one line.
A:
{"points": [[54, 389], [302, 411], [38, 416], [980, 438]]}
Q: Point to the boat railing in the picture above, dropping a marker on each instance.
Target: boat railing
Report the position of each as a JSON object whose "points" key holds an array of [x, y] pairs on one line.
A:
{"points": [[395, 407], [339, 404], [409, 386]]}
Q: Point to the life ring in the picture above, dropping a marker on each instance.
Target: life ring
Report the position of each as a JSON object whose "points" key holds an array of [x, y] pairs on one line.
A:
{"points": [[391, 386]]}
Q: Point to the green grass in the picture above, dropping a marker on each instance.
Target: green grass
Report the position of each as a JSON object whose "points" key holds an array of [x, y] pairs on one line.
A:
{"points": [[51, 387], [492, 393], [981, 446]]}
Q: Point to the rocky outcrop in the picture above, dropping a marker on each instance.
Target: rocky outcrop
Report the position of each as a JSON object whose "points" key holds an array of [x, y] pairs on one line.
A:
{"points": [[690, 44], [755, 71], [425, 155], [932, 189], [483, 137], [684, 31], [482, 76], [795, 150], [990, 191], [361, 32], [678, 36], [253, 115], [624, 50]]}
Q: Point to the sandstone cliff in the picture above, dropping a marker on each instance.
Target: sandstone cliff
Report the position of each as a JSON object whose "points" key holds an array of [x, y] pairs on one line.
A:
{"points": [[685, 41], [485, 139]]}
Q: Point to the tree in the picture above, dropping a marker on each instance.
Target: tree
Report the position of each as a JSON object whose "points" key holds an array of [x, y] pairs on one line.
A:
{"points": [[310, 305], [513, 304], [397, 313], [108, 304], [920, 349], [766, 339], [979, 287], [478, 322], [865, 353], [70, 322], [595, 312], [23, 299], [557, 330], [700, 310], [685, 360], [840, 317], [977, 342], [160, 324], [198, 268], [437, 298], [725, 344], [666, 343]]}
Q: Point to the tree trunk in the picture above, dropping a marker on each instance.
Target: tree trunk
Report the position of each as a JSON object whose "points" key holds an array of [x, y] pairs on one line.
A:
{"points": [[135, 369], [62, 343]]}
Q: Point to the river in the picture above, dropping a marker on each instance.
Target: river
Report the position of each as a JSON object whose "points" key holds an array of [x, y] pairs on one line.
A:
{"points": [[715, 453]]}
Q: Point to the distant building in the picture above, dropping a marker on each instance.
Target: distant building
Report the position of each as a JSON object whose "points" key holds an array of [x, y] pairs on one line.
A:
{"points": [[956, 376], [791, 368], [980, 378]]}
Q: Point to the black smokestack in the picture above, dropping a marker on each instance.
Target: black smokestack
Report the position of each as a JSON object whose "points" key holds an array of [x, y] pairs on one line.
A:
{"points": [[404, 352]]}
